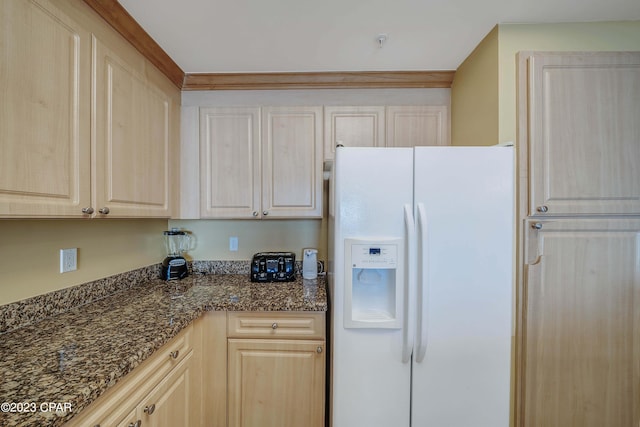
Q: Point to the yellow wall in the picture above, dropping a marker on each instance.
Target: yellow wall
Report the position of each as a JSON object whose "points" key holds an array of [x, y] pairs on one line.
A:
{"points": [[30, 249], [212, 237], [591, 36], [475, 110], [30, 252], [474, 96]]}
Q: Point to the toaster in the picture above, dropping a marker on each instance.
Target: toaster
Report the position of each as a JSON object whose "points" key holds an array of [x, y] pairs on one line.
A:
{"points": [[273, 267]]}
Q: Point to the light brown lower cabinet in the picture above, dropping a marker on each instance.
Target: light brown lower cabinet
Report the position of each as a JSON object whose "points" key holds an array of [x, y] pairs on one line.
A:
{"points": [[163, 391], [166, 405], [580, 348], [231, 369], [276, 369]]}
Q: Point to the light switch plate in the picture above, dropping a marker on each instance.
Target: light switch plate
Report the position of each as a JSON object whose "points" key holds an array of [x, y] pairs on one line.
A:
{"points": [[68, 260], [233, 244]]}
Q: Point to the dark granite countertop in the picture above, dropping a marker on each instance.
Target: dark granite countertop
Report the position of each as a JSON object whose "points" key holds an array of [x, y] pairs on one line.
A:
{"points": [[73, 357]]}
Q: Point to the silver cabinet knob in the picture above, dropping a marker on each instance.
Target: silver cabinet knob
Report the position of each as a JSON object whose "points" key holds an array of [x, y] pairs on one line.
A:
{"points": [[88, 210], [255, 213], [536, 226], [136, 424], [174, 354], [274, 326], [150, 409], [104, 211], [319, 349], [265, 213], [542, 209]]}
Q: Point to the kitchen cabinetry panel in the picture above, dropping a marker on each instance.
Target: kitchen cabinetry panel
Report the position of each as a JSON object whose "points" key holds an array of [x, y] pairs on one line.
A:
{"points": [[353, 127], [132, 122], [278, 383], [45, 61], [229, 162], [214, 369], [292, 162], [168, 404], [582, 113], [415, 126], [582, 343]]}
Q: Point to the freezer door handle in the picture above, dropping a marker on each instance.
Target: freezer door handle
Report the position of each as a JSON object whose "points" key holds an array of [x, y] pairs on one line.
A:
{"points": [[409, 285], [422, 296]]}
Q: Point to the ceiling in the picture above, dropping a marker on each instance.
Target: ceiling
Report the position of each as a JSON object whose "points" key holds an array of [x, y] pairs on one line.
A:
{"points": [[246, 36]]}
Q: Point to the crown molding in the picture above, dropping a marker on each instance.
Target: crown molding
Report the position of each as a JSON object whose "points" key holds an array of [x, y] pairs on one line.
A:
{"points": [[318, 80], [118, 17]]}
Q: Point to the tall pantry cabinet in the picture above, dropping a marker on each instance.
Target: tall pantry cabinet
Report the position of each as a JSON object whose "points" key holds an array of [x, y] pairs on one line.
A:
{"points": [[578, 350]]}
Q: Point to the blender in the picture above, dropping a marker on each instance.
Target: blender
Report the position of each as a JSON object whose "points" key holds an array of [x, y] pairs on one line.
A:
{"points": [[174, 265]]}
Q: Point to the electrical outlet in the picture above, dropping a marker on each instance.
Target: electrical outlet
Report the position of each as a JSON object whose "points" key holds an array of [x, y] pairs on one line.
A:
{"points": [[233, 244], [68, 260]]}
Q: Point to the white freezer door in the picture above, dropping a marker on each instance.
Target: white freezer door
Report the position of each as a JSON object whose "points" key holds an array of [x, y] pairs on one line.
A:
{"points": [[461, 360], [370, 382]]}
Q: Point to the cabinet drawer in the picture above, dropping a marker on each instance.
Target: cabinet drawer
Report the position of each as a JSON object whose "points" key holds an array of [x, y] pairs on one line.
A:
{"points": [[306, 325], [116, 404]]}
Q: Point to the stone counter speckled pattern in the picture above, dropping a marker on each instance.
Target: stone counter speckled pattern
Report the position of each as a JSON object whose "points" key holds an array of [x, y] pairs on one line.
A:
{"points": [[73, 357]]}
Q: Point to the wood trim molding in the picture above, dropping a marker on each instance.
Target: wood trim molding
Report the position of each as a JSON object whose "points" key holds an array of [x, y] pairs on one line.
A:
{"points": [[118, 17], [318, 80]]}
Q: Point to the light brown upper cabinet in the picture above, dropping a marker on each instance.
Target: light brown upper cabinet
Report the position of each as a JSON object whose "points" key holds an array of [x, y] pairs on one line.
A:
{"points": [[380, 126], [133, 124], [415, 126], [66, 153], [352, 127], [583, 143], [261, 162], [45, 62], [229, 162]]}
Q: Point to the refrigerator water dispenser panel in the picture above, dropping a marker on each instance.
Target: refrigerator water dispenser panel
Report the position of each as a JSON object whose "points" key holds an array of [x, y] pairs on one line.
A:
{"points": [[373, 288]]}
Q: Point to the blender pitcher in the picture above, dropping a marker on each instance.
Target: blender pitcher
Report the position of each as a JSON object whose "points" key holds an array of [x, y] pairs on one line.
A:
{"points": [[174, 265]]}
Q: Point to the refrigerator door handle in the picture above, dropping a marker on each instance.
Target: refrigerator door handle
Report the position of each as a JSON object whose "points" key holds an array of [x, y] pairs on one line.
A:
{"points": [[409, 285], [422, 288]]}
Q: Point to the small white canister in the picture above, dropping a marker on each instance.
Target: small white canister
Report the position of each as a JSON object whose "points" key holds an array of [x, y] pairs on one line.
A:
{"points": [[309, 263]]}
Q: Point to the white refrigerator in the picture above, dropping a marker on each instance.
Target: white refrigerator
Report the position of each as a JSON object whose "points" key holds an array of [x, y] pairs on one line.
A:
{"points": [[420, 286]]}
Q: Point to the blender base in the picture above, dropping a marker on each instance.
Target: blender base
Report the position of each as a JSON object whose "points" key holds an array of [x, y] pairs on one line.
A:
{"points": [[174, 268]]}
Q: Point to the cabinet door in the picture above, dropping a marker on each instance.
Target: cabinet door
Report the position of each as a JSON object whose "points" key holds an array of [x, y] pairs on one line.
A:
{"points": [[584, 148], [45, 60], [581, 320], [168, 405], [292, 162], [276, 383], [229, 162], [415, 126], [133, 126], [352, 127]]}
